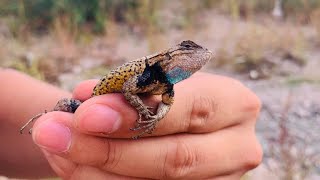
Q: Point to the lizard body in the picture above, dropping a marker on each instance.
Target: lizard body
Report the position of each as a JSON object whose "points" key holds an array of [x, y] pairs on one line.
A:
{"points": [[153, 75]]}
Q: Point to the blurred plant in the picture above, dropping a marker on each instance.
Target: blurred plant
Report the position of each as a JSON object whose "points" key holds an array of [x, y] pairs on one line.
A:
{"points": [[147, 17], [300, 9], [315, 21], [234, 8], [39, 15], [28, 65], [65, 32], [209, 3], [244, 8], [295, 9], [81, 13], [259, 46]]}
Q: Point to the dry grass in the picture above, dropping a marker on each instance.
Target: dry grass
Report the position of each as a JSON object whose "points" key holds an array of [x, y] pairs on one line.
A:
{"points": [[65, 33], [253, 46], [315, 21], [248, 45], [259, 41]]}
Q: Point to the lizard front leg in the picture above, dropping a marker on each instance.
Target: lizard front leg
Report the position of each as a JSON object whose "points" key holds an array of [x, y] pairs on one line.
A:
{"points": [[130, 91]]}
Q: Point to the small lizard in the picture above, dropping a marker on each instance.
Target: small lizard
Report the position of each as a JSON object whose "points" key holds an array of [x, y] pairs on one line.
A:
{"points": [[152, 75]]}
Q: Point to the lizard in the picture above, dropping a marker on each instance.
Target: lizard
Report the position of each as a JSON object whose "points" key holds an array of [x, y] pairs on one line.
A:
{"points": [[151, 75]]}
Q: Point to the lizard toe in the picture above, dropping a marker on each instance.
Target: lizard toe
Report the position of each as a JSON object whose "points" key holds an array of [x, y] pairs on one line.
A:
{"points": [[148, 128]]}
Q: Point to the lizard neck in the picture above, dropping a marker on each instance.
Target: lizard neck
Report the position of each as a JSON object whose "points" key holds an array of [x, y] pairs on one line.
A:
{"points": [[162, 67]]}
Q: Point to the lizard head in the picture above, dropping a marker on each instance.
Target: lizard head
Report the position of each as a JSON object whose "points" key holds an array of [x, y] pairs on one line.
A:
{"points": [[183, 60]]}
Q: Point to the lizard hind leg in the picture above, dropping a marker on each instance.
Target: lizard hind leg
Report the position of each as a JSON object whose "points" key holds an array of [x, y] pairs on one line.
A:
{"points": [[64, 105]]}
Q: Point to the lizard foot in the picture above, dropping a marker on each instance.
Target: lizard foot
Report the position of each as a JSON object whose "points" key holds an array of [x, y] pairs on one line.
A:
{"points": [[148, 118], [148, 124], [146, 112], [148, 128], [149, 108]]}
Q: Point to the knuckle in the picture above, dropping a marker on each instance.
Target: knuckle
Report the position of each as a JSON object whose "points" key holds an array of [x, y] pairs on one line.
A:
{"points": [[252, 103], [253, 157], [248, 100], [180, 161], [203, 109], [247, 103]]}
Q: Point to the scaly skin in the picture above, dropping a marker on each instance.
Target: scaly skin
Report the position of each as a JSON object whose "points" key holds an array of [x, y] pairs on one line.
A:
{"points": [[153, 75]]}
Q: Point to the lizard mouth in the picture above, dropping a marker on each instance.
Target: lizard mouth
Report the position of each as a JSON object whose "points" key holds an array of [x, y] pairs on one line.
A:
{"points": [[208, 55]]}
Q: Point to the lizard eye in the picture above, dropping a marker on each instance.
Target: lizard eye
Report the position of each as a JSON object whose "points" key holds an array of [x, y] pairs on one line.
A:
{"points": [[189, 44]]}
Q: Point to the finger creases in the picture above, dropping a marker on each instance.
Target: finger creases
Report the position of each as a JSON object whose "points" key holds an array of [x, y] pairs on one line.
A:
{"points": [[169, 157], [203, 103], [197, 156], [217, 103]]}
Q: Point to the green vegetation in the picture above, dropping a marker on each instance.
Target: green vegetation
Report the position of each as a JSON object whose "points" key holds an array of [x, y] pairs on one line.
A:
{"points": [[39, 15], [28, 68]]}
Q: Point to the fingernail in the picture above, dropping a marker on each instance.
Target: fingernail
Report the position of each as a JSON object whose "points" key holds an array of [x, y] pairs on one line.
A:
{"points": [[53, 136], [100, 118]]}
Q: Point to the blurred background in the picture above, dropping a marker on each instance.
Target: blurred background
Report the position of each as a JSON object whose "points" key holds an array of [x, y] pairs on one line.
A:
{"points": [[271, 46]]}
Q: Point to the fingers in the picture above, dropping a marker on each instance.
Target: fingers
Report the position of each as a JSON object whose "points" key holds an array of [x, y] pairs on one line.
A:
{"points": [[200, 107], [204, 103], [84, 90], [171, 158], [67, 169], [179, 156], [185, 155], [62, 167], [88, 172]]}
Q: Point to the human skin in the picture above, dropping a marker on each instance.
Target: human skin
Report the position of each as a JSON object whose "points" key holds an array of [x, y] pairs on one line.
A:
{"points": [[208, 134], [21, 98]]}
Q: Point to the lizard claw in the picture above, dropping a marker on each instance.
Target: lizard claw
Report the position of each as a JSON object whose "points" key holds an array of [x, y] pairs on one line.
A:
{"points": [[148, 117], [30, 131], [149, 111], [148, 125], [139, 120], [148, 128], [149, 107]]}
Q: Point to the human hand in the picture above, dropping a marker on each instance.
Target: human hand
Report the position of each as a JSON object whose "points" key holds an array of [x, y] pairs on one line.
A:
{"points": [[208, 133]]}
